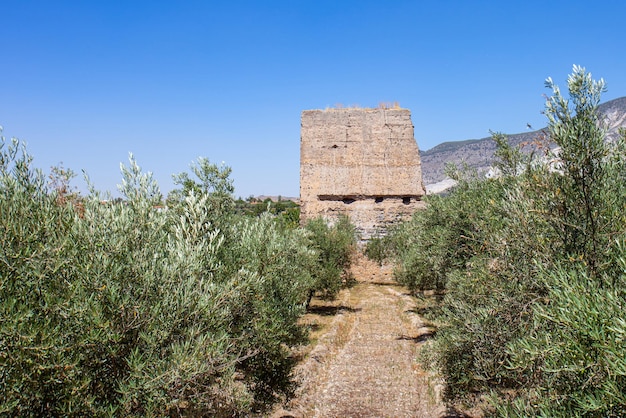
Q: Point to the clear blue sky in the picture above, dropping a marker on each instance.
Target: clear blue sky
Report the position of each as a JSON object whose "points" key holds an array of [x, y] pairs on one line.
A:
{"points": [[86, 82]]}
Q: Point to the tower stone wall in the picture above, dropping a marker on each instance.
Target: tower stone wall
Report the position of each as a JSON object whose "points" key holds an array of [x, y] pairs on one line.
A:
{"points": [[364, 163]]}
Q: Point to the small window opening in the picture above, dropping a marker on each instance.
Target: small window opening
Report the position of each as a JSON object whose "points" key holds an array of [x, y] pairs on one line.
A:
{"points": [[348, 200], [378, 199], [406, 200]]}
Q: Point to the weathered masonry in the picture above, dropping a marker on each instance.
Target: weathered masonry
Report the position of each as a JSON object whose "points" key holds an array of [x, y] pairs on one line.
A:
{"points": [[364, 163]]}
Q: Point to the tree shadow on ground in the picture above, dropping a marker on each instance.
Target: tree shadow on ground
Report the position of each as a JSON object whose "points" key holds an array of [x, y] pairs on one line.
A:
{"points": [[381, 283], [426, 311], [314, 327], [331, 310], [419, 339], [453, 413]]}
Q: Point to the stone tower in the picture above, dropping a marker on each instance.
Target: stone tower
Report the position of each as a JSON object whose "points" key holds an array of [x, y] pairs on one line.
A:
{"points": [[364, 163]]}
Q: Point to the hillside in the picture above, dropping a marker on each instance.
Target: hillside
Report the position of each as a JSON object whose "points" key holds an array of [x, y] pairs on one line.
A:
{"points": [[478, 153]]}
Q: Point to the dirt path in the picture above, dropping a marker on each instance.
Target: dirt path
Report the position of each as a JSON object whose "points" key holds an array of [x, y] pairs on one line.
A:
{"points": [[363, 359]]}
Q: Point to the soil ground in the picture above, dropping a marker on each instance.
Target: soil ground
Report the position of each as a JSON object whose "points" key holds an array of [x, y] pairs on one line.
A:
{"points": [[363, 356]]}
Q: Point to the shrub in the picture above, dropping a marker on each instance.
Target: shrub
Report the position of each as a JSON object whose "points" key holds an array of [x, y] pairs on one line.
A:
{"points": [[379, 249], [121, 309], [445, 236], [278, 265], [335, 245], [532, 267], [576, 348], [574, 344]]}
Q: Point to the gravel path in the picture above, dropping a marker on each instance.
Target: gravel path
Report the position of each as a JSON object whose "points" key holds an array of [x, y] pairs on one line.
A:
{"points": [[365, 364]]}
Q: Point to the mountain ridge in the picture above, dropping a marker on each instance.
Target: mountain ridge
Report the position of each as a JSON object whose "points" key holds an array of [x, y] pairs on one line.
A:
{"points": [[478, 153]]}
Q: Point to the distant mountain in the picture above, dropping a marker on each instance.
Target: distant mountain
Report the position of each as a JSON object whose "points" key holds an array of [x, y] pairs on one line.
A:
{"points": [[478, 153]]}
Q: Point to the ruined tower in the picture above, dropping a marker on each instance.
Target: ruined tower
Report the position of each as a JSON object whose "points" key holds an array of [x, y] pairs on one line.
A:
{"points": [[364, 163]]}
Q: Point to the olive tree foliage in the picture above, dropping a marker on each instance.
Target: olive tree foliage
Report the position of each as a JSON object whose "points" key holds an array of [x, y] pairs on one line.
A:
{"points": [[138, 187], [335, 244], [532, 267], [587, 192], [575, 348], [119, 309], [210, 179], [444, 237]]}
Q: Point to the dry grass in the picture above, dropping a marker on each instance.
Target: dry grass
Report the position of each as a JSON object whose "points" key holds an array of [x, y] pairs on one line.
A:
{"points": [[362, 357]]}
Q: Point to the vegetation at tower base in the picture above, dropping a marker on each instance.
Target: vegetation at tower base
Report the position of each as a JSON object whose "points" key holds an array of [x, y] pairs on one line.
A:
{"points": [[380, 248], [532, 269], [118, 309], [335, 245]]}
